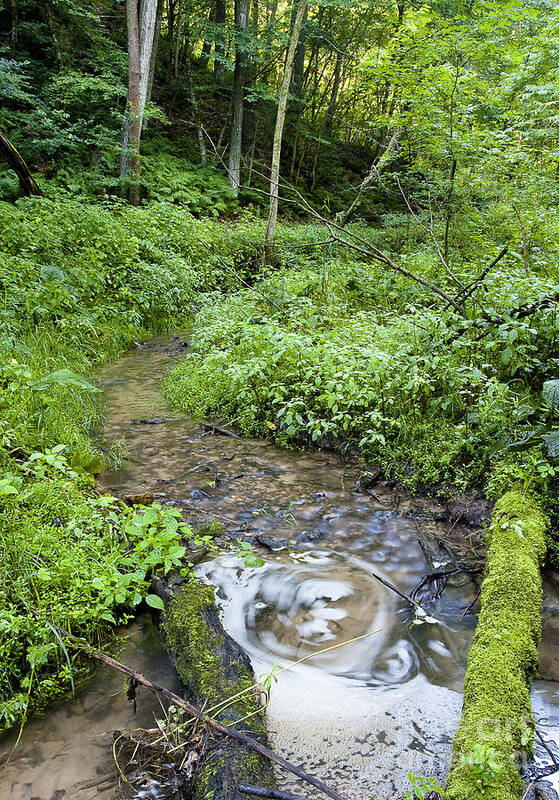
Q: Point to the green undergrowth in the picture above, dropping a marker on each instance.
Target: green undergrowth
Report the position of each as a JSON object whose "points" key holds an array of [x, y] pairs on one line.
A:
{"points": [[335, 352], [497, 727], [79, 284]]}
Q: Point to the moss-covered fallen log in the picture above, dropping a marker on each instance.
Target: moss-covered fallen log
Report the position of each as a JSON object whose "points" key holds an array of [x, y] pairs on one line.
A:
{"points": [[497, 726], [213, 668]]}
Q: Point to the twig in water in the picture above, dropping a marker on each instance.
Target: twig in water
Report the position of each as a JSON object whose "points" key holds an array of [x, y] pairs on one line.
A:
{"points": [[272, 794], [472, 604], [440, 575]]}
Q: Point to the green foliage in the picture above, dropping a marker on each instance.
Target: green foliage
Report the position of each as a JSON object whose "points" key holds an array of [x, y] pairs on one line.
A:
{"points": [[337, 354], [246, 553], [79, 284], [203, 192], [80, 561], [421, 787], [483, 766]]}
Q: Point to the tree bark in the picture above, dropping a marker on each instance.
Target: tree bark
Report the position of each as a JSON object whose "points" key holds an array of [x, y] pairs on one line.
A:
{"points": [[141, 25], [219, 47], [331, 110], [241, 26], [27, 182], [147, 24], [278, 132], [153, 59], [134, 113], [207, 45]]}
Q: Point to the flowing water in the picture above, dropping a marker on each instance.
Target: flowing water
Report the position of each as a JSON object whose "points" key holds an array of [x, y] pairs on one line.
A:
{"points": [[360, 715]]}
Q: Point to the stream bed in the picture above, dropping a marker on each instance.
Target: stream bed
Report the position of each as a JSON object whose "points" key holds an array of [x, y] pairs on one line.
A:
{"points": [[359, 715]]}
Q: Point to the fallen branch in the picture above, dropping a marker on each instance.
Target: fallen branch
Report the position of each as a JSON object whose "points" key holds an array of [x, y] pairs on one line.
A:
{"points": [[215, 429], [468, 290], [395, 589], [440, 575], [195, 712]]}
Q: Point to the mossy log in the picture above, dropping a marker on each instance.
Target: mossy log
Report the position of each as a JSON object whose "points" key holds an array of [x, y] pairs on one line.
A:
{"points": [[503, 658], [214, 668]]}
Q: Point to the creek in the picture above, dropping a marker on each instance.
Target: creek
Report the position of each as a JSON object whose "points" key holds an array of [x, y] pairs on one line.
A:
{"points": [[360, 715]]}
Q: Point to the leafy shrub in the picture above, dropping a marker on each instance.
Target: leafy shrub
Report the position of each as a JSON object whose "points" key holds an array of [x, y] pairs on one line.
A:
{"points": [[307, 357]]}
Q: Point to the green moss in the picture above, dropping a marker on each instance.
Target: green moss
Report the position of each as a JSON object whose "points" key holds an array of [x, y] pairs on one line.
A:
{"points": [[503, 657], [198, 650], [212, 671]]}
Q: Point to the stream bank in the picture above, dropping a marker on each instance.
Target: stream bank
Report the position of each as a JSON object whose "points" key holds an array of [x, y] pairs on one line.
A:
{"points": [[360, 716]]}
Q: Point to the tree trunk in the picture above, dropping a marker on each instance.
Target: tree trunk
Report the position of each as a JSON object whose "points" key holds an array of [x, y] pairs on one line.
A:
{"points": [[207, 45], [27, 182], [331, 110], [296, 87], [153, 58], [278, 132], [237, 103], [141, 25], [134, 113], [219, 48], [193, 100], [147, 24]]}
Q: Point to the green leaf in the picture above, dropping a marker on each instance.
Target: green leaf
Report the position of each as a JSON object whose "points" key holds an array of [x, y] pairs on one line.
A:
{"points": [[550, 393], [506, 356], [552, 443], [63, 377], [155, 602], [7, 486]]}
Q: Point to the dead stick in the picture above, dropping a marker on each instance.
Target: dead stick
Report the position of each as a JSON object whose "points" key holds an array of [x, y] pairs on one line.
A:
{"points": [[195, 712], [273, 794], [395, 589]]}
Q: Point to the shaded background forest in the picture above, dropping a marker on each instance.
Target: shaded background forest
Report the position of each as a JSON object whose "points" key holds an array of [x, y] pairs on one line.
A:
{"points": [[459, 98]]}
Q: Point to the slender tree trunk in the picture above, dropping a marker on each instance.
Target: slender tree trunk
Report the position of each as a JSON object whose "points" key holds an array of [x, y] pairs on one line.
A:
{"points": [[147, 23], [278, 132], [237, 103], [141, 25], [177, 43], [134, 113], [193, 100], [296, 86], [153, 58], [207, 45], [52, 28], [219, 48], [27, 182], [14, 22], [331, 110]]}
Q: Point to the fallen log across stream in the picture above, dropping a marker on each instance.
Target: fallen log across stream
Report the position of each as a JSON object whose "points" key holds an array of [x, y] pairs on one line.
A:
{"points": [[138, 679]]}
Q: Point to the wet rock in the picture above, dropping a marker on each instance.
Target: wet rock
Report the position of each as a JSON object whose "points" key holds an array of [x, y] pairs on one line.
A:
{"points": [[273, 544], [309, 536], [541, 791], [199, 494], [151, 421], [216, 430], [145, 499], [367, 481], [472, 511]]}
